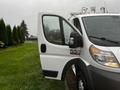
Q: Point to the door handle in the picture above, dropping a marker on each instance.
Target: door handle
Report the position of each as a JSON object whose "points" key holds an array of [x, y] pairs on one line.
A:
{"points": [[43, 48]]}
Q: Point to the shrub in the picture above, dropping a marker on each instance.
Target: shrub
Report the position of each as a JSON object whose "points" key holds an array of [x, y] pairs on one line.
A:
{"points": [[2, 44]]}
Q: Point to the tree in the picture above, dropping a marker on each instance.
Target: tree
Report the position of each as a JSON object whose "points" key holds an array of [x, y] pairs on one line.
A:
{"points": [[3, 32], [20, 35], [24, 28], [23, 36], [9, 34], [15, 36]]}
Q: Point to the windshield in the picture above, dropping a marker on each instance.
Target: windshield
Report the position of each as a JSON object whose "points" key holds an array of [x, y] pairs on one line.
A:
{"points": [[103, 30]]}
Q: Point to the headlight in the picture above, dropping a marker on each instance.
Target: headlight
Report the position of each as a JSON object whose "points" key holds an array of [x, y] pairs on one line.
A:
{"points": [[105, 58]]}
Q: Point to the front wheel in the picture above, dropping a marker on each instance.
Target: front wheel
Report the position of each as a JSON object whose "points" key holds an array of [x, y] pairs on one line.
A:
{"points": [[81, 83], [75, 81]]}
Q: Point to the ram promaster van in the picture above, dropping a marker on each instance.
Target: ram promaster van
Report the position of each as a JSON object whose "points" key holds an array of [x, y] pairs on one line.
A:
{"points": [[87, 47]]}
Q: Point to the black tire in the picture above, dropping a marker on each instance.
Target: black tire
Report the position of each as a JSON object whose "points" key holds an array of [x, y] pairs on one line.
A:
{"points": [[75, 81], [81, 82], [70, 80]]}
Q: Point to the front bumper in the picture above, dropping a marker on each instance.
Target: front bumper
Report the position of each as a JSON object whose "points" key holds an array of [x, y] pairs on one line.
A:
{"points": [[104, 80]]}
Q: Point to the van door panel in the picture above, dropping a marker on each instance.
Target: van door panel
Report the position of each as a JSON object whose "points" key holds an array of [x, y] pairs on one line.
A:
{"points": [[53, 39]]}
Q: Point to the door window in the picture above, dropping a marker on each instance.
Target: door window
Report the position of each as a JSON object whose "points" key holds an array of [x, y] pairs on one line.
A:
{"points": [[67, 29], [52, 29], [77, 24], [57, 30]]}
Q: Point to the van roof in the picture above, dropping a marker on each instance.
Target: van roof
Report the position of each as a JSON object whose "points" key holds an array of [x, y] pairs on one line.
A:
{"points": [[105, 14]]}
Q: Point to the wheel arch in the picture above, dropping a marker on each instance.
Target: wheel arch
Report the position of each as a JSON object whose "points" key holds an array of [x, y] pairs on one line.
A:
{"points": [[82, 68], [70, 63]]}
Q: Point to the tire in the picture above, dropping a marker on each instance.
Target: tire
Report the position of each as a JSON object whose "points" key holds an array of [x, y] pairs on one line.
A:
{"points": [[81, 82], [75, 81], [66, 84], [70, 80]]}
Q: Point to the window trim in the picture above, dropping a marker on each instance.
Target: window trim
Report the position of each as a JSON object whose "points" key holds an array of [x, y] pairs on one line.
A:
{"points": [[62, 30]]}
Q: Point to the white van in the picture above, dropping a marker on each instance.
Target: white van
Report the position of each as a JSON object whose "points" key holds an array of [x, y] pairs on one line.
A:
{"points": [[89, 45]]}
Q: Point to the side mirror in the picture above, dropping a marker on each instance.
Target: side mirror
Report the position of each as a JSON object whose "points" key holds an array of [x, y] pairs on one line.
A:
{"points": [[75, 40]]}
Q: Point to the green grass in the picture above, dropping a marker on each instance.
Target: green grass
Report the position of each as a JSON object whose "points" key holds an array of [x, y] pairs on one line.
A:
{"points": [[20, 70]]}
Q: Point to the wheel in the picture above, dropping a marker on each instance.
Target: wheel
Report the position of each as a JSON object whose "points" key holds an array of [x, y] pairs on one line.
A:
{"points": [[81, 83], [70, 80], [75, 81]]}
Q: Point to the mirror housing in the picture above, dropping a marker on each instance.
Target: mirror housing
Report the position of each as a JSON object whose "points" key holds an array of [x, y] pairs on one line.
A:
{"points": [[75, 40]]}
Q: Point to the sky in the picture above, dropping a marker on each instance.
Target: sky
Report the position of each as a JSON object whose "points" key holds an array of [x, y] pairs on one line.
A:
{"points": [[14, 11]]}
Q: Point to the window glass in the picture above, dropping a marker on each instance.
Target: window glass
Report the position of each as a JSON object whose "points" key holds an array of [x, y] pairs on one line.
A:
{"points": [[67, 29], [52, 29], [103, 30], [77, 24]]}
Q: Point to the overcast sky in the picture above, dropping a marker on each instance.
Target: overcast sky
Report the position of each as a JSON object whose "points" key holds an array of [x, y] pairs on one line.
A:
{"points": [[14, 11]]}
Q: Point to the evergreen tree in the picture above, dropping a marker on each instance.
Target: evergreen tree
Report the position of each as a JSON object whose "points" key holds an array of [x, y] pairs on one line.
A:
{"points": [[15, 36], [21, 37], [3, 32], [23, 27], [9, 34]]}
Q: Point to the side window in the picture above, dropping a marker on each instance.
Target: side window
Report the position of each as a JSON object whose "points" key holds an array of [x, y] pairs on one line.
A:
{"points": [[57, 30], [67, 29], [77, 24], [52, 29]]}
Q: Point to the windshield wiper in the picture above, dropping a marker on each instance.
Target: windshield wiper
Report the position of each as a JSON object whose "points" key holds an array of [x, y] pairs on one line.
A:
{"points": [[103, 38]]}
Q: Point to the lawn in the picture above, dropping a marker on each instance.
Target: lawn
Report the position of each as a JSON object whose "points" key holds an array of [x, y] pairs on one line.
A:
{"points": [[20, 69]]}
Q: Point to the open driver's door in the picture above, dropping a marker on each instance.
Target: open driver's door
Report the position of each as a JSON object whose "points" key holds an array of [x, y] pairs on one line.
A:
{"points": [[53, 40]]}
